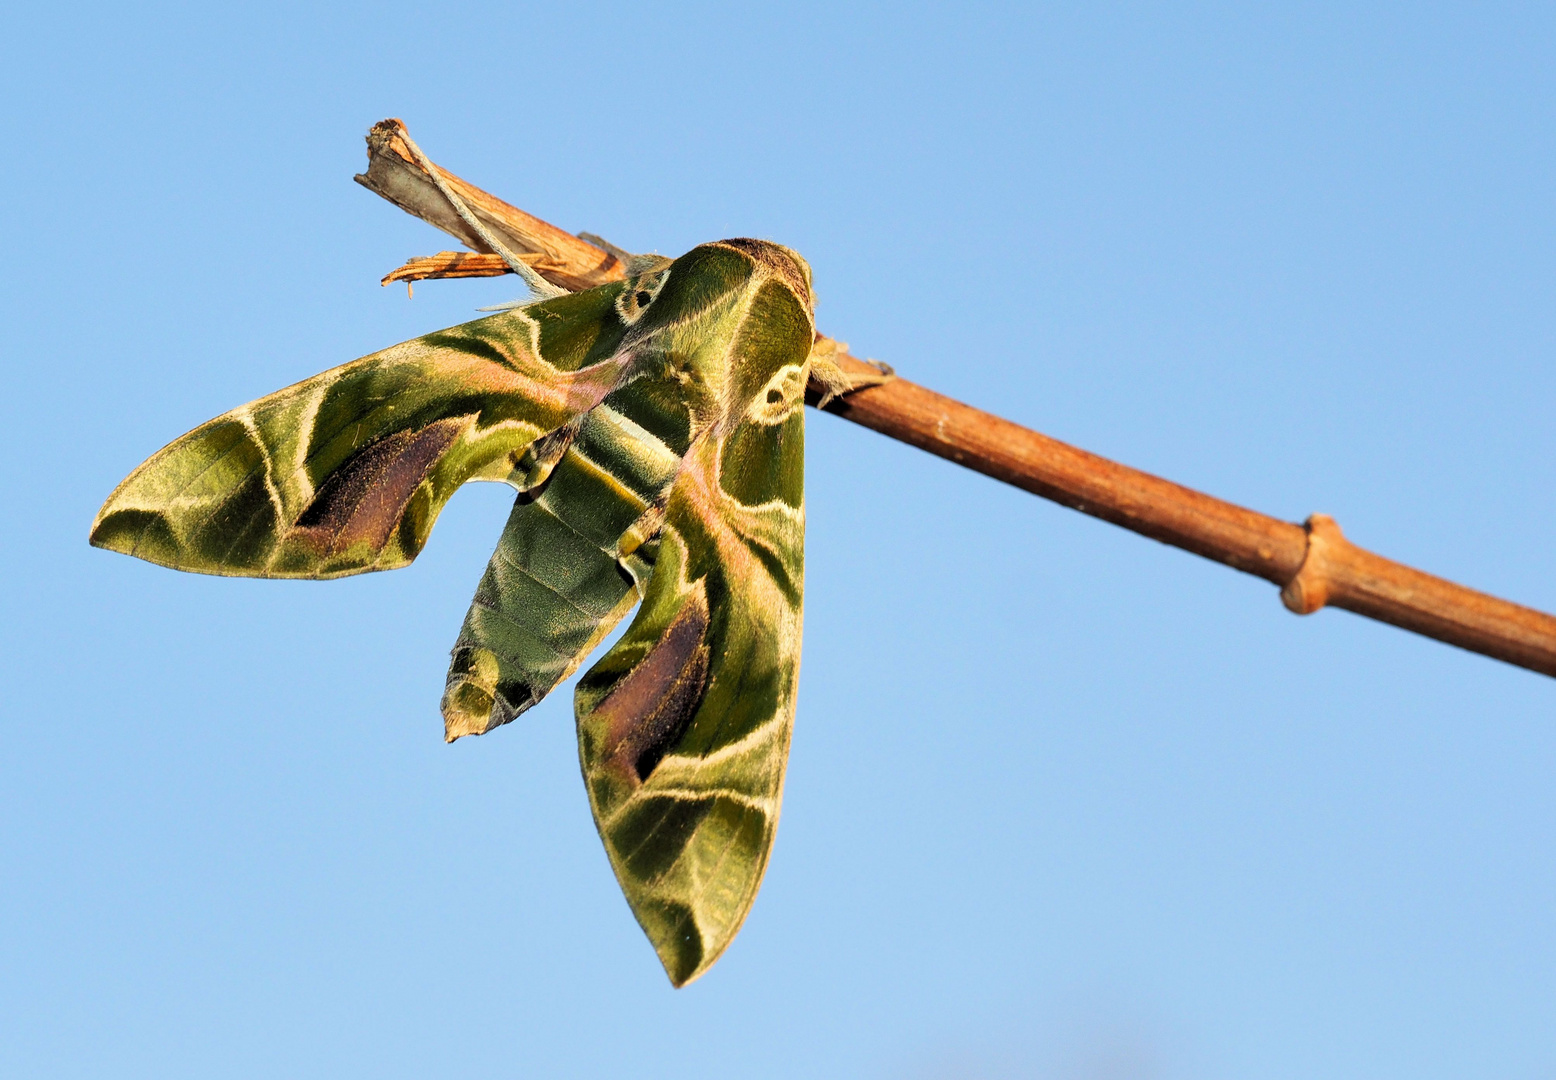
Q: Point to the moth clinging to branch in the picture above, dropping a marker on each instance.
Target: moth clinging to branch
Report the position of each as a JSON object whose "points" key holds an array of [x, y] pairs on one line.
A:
{"points": [[654, 431]]}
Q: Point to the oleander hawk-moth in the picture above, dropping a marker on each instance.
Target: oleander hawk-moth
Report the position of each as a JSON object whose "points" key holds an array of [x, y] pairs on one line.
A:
{"points": [[654, 430]]}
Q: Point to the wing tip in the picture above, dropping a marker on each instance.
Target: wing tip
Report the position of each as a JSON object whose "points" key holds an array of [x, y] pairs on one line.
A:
{"points": [[684, 950], [122, 528], [680, 975], [99, 537]]}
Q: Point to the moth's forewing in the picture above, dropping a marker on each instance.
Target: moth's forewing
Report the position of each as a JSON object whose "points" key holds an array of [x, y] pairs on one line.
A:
{"points": [[684, 725], [346, 472]]}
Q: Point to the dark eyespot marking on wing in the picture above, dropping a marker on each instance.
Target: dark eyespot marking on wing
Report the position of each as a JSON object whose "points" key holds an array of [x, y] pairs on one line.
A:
{"points": [[639, 294], [650, 709]]}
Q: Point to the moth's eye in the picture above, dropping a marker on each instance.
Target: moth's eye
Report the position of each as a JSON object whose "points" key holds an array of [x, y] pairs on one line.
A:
{"points": [[774, 397], [642, 298]]}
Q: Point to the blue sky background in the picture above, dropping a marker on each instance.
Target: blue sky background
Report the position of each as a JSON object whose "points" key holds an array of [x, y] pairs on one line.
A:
{"points": [[1062, 802]]}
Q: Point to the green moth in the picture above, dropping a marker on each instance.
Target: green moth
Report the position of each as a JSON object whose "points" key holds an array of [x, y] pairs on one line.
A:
{"points": [[654, 430]]}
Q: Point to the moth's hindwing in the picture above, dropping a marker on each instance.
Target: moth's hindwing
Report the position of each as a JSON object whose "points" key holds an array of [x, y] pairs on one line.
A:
{"points": [[684, 725], [346, 472]]}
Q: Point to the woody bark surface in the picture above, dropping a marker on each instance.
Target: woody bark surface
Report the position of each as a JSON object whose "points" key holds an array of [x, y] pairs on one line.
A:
{"points": [[1314, 564]]}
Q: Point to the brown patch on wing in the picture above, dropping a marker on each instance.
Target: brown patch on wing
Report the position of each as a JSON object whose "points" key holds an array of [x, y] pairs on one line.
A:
{"points": [[649, 711], [779, 261], [364, 498]]}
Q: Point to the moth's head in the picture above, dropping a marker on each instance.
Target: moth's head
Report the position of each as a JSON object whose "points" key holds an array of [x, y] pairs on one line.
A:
{"points": [[786, 264]]}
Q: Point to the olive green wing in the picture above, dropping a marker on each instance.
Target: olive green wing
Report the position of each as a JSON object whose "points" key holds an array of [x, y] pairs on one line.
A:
{"points": [[684, 725], [346, 472]]}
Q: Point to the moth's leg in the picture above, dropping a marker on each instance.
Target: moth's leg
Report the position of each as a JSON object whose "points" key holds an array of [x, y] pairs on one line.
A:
{"points": [[834, 381], [639, 545], [540, 459], [539, 286]]}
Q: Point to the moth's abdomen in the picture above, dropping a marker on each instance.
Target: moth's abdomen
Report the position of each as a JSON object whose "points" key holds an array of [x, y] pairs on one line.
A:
{"points": [[557, 583]]}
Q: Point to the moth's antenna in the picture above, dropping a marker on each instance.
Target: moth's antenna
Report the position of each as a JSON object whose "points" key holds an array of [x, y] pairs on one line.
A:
{"points": [[538, 286], [635, 264]]}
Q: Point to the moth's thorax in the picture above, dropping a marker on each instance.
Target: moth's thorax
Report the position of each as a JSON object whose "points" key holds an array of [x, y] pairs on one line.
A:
{"points": [[727, 322]]}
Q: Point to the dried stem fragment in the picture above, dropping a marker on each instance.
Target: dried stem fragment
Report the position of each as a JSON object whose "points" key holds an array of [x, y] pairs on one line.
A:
{"points": [[462, 264]]}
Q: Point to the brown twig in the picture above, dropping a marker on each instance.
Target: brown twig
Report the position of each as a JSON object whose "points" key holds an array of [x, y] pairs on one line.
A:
{"points": [[393, 173], [464, 264], [1314, 564]]}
